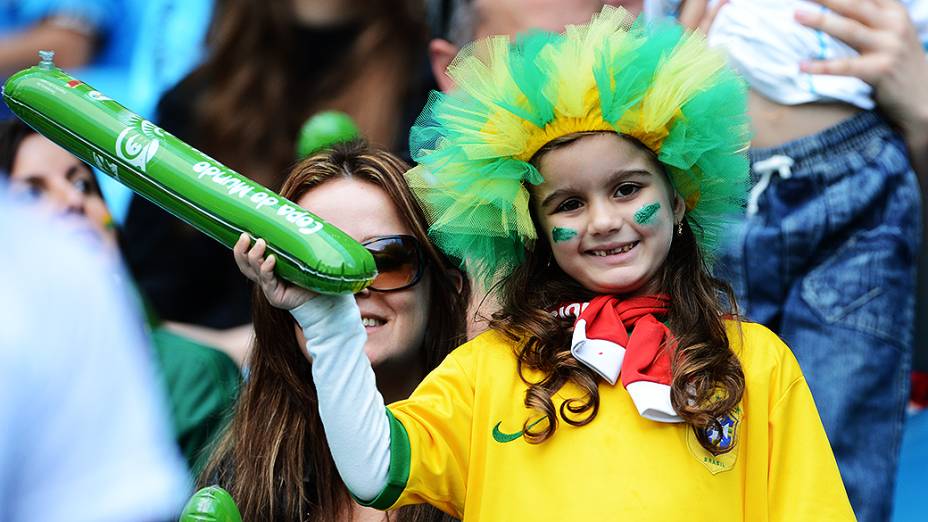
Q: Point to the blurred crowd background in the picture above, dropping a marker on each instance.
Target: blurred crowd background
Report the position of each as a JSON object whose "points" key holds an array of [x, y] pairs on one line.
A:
{"points": [[148, 379]]}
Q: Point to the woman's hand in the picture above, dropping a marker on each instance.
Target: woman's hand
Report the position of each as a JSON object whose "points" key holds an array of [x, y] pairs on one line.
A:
{"points": [[259, 269], [891, 58]]}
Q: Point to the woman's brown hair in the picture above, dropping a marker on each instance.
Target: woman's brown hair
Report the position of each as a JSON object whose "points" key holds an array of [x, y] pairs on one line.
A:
{"points": [[708, 382], [274, 458], [258, 93]]}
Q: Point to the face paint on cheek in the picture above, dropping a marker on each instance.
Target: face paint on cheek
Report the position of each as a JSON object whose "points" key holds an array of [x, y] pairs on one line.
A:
{"points": [[646, 214], [562, 234]]}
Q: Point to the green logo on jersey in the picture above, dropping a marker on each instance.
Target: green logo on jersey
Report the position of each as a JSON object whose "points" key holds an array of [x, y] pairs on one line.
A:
{"points": [[501, 437]]}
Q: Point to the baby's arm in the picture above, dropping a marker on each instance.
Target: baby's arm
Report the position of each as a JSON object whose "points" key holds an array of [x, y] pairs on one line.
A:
{"points": [[352, 410]]}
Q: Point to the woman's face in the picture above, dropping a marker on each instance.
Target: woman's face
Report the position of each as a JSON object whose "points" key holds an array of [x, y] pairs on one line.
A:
{"points": [[395, 321], [608, 212], [60, 181]]}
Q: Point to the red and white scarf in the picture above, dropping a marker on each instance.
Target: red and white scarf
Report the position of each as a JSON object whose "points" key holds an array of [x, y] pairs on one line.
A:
{"points": [[602, 342]]}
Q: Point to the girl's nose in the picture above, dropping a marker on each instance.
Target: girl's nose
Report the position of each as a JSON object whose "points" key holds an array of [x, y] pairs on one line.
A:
{"points": [[604, 218]]}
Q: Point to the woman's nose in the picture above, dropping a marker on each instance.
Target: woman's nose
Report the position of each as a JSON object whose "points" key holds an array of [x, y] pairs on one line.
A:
{"points": [[69, 199]]}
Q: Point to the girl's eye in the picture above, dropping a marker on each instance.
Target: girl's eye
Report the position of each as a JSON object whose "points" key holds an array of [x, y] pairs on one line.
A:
{"points": [[568, 205], [626, 189]]}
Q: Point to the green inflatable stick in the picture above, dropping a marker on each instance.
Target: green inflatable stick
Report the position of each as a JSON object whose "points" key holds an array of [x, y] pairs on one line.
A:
{"points": [[187, 183], [324, 130], [211, 504]]}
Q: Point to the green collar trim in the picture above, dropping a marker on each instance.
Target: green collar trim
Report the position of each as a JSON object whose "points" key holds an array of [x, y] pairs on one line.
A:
{"points": [[398, 473]]}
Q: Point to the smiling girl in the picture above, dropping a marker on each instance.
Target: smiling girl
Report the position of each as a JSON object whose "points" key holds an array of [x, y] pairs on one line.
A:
{"points": [[590, 175]]}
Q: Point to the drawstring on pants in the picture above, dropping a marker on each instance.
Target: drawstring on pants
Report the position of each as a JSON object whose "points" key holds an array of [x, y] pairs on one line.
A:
{"points": [[780, 164]]}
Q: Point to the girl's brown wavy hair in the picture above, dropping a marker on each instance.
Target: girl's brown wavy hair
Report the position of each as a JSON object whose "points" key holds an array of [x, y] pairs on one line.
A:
{"points": [[708, 381], [273, 458]]}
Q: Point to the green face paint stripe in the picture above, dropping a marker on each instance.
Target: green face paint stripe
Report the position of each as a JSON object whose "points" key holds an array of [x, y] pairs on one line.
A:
{"points": [[501, 437], [563, 234], [646, 213]]}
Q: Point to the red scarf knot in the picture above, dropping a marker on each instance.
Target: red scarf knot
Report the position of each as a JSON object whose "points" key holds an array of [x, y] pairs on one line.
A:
{"points": [[602, 342]]}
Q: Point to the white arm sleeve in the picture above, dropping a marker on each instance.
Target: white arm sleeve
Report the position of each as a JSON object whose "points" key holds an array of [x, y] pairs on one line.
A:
{"points": [[352, 410]]}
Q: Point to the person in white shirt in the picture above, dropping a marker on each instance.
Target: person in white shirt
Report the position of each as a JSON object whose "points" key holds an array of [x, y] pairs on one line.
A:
{"points": [[83, 430]]}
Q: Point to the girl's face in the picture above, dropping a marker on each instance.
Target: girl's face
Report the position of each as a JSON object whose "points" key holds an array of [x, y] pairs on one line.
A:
{"points": [[395, 321], [60, 181], [608, 212]]}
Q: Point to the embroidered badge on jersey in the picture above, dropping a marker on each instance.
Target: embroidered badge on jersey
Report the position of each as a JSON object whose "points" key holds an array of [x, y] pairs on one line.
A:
{"points": [[724, 438]]}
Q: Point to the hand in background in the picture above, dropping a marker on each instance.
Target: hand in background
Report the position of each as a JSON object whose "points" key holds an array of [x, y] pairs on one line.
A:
{"points": [[891, 60]]}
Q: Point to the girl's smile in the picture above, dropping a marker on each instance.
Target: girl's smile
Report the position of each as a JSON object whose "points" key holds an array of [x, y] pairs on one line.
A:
{"points": [[608, 211], [613, 251]]}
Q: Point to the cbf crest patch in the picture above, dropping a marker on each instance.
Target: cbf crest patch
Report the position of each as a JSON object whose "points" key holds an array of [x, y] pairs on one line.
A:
{"points": [[724, 438]]}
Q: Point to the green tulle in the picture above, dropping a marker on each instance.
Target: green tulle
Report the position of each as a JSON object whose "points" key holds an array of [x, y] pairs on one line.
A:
{"points": [[655, 83]]}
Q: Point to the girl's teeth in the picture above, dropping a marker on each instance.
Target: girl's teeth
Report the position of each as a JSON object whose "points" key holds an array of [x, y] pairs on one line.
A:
{"points": [[614, 251], [367, 321]]}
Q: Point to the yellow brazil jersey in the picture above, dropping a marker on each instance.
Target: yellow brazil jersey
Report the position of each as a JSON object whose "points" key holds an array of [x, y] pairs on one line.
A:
{"points": [[456, 443]]}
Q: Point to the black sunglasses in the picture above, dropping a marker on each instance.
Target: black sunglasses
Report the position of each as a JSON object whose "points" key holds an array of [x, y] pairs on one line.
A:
{"points": [[400, 262]]}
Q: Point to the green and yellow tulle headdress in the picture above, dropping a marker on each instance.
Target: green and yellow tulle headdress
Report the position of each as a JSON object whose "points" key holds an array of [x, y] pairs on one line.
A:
{"points": [[655, 83]]}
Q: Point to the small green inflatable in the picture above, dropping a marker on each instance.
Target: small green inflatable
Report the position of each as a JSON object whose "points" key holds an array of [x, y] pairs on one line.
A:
{"points": [[187, 183], [211, 504], [323, 130]]}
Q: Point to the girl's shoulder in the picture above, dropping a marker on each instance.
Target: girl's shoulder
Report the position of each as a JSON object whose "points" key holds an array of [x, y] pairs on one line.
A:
{"points": [[763, 355], [491, 349], [491, 343]]}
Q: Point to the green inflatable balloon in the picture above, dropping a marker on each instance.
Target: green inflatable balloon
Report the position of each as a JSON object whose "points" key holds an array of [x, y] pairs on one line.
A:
{"points": [[184, 181], [211, 504], [323, 130]]}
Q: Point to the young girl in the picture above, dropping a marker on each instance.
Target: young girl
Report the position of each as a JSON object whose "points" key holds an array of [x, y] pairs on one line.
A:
{"points": [[592, 173]]}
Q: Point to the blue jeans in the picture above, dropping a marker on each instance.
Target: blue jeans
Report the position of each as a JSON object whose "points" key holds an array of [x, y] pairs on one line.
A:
{"points": [[826, 258]]}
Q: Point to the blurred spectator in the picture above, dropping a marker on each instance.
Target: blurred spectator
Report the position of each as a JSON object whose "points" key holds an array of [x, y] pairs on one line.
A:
{"points": [[171, 41], [270, 66], [91, 39], [75, 29], [202, 383], [83, 431], [132, 50], [459, 22], [827, 254]]}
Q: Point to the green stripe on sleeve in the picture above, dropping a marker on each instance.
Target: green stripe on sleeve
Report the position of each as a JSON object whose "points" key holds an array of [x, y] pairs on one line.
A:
{"points": [[398, 473]]}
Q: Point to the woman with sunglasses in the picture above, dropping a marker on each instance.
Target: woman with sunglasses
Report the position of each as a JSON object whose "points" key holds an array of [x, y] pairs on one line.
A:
{"points": [[274, 458]]}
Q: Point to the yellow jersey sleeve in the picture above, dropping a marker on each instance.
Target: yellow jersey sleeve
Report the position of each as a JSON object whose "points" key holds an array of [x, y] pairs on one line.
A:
{"points": [[804, 482], [431, 438]]}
